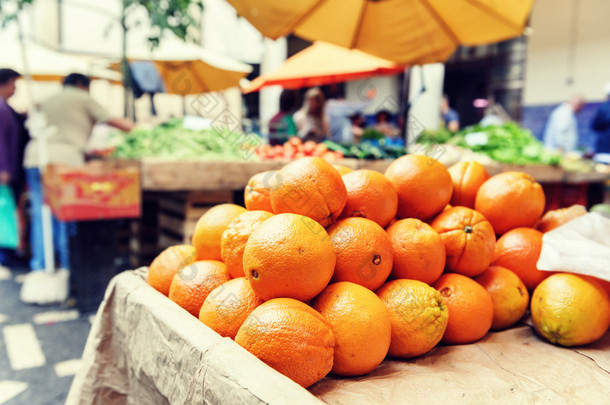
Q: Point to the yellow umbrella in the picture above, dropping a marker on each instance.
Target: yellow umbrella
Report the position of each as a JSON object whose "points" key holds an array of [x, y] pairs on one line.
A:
{"points": [[190, 69], [404, 31]]}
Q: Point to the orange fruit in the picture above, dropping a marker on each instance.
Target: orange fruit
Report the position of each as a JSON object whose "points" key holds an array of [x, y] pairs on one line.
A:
{"points": [[370, 195], [227, 306], [289, 255], [361, 326], [471, 309], [570, 310], [418, 315], [165, 266], [469, 240], [192, 284], [257, 192], [518, 250], [555, 218], [209, 228], [603, 283], [235, 236], [419, 252], [342, 169], [510, 200], [508, 293], [291, 337], [423, 185], [364, 252], [467, 177], [311, 187]]}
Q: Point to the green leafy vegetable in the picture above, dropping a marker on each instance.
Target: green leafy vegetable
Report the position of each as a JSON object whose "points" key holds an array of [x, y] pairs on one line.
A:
{"points": [[172, 141], [508, 143]]}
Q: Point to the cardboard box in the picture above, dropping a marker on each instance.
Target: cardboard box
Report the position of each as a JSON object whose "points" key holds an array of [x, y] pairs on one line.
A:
{"points": [[145, 349], [102, 189]]}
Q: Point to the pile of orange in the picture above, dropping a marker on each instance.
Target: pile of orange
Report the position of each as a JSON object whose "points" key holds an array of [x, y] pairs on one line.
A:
{"points": [[329, 270]]}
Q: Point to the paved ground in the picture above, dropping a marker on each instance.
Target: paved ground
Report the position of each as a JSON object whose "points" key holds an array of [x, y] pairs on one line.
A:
{"points": [[40, 346]]}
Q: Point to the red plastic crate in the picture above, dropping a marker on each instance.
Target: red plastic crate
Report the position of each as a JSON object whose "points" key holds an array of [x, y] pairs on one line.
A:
{"points": [[102, 189]]}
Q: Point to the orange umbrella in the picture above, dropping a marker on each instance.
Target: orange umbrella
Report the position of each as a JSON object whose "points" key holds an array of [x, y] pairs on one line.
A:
{"points": [[324, 63], [406, 31]]}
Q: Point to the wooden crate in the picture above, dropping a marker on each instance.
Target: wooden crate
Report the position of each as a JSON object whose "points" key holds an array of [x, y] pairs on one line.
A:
{"points": [[179, 212], [143, 243]]}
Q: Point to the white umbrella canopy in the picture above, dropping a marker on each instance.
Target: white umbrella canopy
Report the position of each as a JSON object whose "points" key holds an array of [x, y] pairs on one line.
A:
{"points": [[48, 65]]}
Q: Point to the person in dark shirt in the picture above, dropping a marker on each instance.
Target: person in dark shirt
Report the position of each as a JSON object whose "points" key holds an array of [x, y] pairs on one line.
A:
{"points": [[601, 124], [282, 126], [10, 161], [450, 117]]}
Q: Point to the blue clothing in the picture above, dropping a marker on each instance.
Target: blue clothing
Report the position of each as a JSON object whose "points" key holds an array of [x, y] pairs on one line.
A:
{"points": [[601, 125], [561, 129], [450, 116], [60, 229]]}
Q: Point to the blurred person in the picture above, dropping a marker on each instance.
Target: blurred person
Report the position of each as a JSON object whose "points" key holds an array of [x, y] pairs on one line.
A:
{"points": [[357, 126], [601, 124], [338, 111], [282, 126], [9, 144], [73, 112], [494, 114], [385, 125], [561, 129], [310, 120], [450, 117]]}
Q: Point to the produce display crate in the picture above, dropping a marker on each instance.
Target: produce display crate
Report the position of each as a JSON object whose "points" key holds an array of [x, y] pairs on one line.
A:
{"points": [[144, 232], [179, 213], [145, 349], [101, 189]]}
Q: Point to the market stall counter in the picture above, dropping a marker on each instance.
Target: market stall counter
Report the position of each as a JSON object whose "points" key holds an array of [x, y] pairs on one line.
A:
{"points": [[145, 349]]}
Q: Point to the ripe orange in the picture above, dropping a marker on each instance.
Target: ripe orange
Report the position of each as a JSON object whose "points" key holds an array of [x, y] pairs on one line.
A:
{"points": [[370, 195], [257, 192], [166, 265], [604, 283], [234, 238], [209, 228], [470, 306], [419, 252], [192, 284], [555, 218], [227, 306], [423, 185], [289, 255], [510, 200], [290, 337], [418, 315], [508, 293], [570, 310], [311, 187], [342, 169], [469, 240], [467, 177], [518, 250], [361, 326], [364, 252]]}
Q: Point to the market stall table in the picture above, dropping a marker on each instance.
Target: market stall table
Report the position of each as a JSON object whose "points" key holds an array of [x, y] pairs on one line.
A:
{"points": [[144, 349]]}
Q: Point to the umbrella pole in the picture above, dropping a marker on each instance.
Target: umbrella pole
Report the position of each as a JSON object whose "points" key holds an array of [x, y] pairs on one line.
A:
{"points": [[47, 225], [407, 104], [404, 106]]}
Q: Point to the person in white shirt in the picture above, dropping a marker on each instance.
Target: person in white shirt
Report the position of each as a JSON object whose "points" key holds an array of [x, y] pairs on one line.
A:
{"points": [[561, 129]]}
